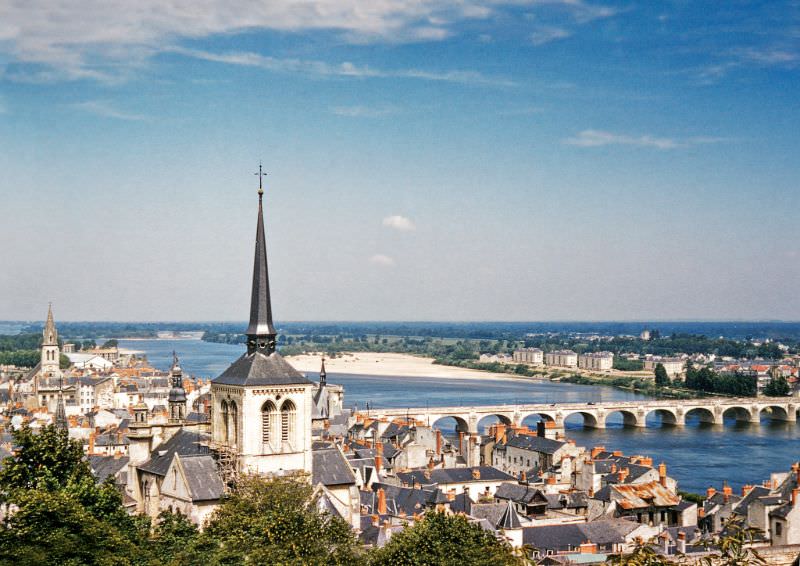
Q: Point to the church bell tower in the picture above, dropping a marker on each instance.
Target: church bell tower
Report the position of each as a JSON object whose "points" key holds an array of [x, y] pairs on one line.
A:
{"points": [[261, 405]]}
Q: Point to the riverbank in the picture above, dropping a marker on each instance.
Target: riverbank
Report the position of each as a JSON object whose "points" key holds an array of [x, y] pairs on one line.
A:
{"points": [[390, 364]]}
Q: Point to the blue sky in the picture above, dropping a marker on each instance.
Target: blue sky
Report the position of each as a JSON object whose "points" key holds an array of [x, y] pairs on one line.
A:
{"points": [[428, 159]]}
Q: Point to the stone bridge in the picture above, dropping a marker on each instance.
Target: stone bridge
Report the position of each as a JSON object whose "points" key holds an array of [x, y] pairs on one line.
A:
{"points": [[595, 415]]}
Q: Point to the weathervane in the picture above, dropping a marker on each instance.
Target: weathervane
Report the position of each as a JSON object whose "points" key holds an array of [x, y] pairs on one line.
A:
{"points": [[261, 175]]}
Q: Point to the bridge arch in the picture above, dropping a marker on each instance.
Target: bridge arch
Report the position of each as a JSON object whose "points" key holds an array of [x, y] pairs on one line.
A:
{"points": [[531, 418], [666, 416], [704, 414], [778, 413], [741, 414], [629, 417], [590, 419], [448, 423], [485, 421]]}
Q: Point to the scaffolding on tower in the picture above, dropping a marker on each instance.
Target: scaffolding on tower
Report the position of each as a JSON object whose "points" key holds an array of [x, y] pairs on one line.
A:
{"points": [[227, 458]]}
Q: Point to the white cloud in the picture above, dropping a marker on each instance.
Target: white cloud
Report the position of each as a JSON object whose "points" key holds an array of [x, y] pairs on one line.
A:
{"points": [[547, 34], [398, 222], [345, 69], [600, 138], [106, 110], [364, 111], [381, 259], [94, 40]]}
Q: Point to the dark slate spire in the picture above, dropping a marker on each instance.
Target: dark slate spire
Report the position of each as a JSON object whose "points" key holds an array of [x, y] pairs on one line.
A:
{"points": [[509, 519], [177, 394], [323, 376], [61, 421], [261, 333]]}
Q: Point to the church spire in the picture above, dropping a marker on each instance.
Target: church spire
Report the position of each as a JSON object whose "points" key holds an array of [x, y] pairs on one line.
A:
{"points": [[323, 375], [50, 334], [177, 394], [261, 334], [61, 421]]}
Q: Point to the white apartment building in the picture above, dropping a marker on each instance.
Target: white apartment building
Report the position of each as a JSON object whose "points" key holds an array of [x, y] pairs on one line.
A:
{"points": [[674, 366], [532, 356], [600, 361], [561, 358]]}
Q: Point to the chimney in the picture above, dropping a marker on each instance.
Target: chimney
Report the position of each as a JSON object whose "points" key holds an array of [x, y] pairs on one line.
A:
{"points": [[461, 442], [797, 474], [523, 477], [378, 461], [91, 443], [375, 520], [381, 501], [431, 464], [701, 512], [710, 492], [587, 548], [617, 453], [438, 442], [596, 450], [681, 543], [476, 473], [500, 432], [727, 491], [613, 468], [746, 489], [550, 480], [662, 474], [622, 474], [795, 491]]}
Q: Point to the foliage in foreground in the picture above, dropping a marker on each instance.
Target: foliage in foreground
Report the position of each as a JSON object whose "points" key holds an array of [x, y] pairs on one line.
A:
{"points": [[439, 539]]}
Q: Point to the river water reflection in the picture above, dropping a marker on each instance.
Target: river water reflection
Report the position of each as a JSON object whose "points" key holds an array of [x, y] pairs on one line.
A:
{"points": [[697, 455]]}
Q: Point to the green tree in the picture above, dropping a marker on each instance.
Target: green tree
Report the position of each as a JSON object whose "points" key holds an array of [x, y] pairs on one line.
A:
{"points": [[662, 379], [62, 516], [274, 521], [441, 540], [113, 343], [777, 387]]}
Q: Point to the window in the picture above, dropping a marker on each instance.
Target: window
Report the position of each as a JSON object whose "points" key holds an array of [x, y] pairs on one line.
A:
{"points": [[287, 421], [269, 414], [235, 423], [224, 411], [778, 529]]}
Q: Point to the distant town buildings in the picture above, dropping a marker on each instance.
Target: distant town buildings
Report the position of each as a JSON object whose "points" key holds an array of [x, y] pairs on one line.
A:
{"points": [[530, 356], [561, 358], [599, 361], [673, 366]]}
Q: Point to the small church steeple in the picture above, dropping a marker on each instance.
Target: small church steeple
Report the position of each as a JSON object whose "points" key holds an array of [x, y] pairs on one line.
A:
{"points": [[50, 334], [261, 334], [177, 394], [61, 421], [50, 354], [323, 375]]}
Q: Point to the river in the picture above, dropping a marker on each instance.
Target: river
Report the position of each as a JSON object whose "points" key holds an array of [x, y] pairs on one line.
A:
{"points": [[697, 455]]}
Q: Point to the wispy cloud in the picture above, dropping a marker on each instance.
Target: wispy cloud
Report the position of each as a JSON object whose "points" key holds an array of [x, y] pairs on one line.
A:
{"points": [[106, 110], [344, 69], [381, 259], [600, 138], [54, 40], [548, 34], [397, 222], [364, 111]]}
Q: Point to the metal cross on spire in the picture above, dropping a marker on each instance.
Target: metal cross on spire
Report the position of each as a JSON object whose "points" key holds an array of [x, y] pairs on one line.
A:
{"points": [[261, 175]]}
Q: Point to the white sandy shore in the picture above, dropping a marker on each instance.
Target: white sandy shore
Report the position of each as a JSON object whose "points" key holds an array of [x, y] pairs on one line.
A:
{"points": [[369, 363]]}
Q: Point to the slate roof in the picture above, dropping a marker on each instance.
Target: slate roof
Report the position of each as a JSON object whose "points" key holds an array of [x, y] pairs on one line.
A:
{"points": [[453, 475], [202, 477], [571, 536], [492, 512], [535, 443], [575, 500], [259, 369], [402, 499], [330, 467], [184, 443], [105, 466], [520, 493], [509, 519]]}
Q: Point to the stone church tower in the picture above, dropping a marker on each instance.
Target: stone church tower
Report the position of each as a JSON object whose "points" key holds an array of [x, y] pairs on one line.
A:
{"points": [[261, 405], [50, 353]]}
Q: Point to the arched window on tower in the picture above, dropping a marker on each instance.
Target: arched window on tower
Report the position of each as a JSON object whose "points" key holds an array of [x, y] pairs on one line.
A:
{"points": [[234, 428], [269, 422], [288, 413], [224, 412]]}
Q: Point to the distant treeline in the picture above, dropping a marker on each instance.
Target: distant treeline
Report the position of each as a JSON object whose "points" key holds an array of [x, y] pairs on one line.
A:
{"points": [[787, 332], [663, 346]]}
